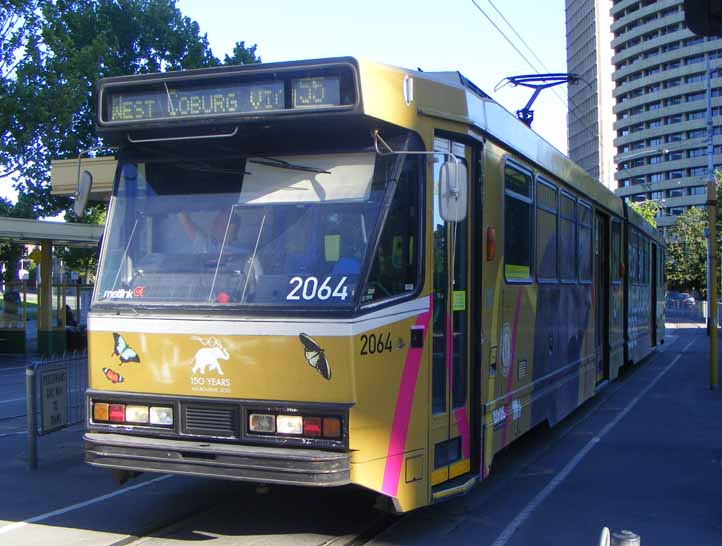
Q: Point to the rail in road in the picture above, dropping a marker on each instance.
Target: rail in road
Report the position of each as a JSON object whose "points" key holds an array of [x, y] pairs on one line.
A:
{"points": [[555, 487]]}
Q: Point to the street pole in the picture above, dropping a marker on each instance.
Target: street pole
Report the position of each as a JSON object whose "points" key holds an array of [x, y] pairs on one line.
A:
{"points": [[712, 240]]}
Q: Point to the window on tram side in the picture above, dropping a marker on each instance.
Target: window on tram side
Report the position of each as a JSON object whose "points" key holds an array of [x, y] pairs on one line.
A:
{"points": [[546, 231], [395, 269], [616, 249], [567, 238], [645, 261], [633, 256], [585, 242], [518, 232]]}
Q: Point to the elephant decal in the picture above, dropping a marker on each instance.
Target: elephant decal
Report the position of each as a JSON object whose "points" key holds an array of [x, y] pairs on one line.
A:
{"points": [[207, 357]]}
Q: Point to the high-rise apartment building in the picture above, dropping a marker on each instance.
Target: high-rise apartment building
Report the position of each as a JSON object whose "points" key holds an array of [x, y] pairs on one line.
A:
{"points": [[659, 106], [660, 93], [590, 133]]}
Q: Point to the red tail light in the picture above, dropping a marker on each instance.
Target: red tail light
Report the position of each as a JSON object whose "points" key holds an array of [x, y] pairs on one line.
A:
{"points": [[117, 413], [312, 426]]}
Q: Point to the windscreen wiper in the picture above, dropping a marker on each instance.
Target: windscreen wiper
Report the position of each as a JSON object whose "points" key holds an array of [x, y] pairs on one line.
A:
{"points": [[282, 164]]}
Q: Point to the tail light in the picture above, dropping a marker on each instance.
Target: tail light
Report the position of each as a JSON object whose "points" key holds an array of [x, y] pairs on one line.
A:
{"points": [[117, 413], [295, 425], [132, 414]]}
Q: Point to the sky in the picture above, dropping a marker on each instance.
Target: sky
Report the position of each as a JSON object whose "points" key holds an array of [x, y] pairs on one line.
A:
{"points": [[450, 35]]}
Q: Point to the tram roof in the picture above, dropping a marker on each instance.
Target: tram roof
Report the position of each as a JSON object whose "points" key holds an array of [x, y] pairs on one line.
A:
{"points": [[466, 103], [446, 95]]}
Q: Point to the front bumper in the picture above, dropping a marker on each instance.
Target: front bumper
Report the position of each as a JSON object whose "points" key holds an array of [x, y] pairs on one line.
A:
{"points": [[310, 467]]}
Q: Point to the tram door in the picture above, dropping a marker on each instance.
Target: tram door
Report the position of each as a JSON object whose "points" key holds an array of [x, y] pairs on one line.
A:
{"points": [[602, 294], [449, 427]]}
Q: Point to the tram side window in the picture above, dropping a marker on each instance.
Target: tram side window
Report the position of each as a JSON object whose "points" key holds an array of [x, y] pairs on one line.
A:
{"points": [[645, 261], [546, 231], [518, 232], [567, 238], [395, 268], [585, 242], [616, 250], [633, 260]]}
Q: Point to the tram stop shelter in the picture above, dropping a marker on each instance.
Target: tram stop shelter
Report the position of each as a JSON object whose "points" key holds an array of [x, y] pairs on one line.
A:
{"points": [[48, 305]]}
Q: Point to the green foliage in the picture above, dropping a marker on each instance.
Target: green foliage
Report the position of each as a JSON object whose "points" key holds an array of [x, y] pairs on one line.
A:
{"points": [[687, 252], [83, 260], [51, 57], [647, 210]]}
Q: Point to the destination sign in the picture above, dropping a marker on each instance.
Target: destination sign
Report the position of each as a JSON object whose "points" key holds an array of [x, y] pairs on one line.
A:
{"points": [[316, 92], [196, 98], [179, 103]]}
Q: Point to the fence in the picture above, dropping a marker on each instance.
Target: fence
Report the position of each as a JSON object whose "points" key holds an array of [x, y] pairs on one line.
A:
{"points": [[55, 391]]}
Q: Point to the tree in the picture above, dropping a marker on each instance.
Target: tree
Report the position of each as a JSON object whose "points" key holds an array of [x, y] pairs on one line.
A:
{"points": [[84, 260], [647, 210], [51, 57], [686, 263]]}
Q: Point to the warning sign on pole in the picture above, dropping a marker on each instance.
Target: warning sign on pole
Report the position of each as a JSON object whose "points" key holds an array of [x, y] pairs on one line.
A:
{"points": [[53, 407]]}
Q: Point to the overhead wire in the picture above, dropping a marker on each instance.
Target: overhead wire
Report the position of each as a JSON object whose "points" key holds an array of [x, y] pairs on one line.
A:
{"points": [[521, 39], [533, 67], [519, 36]]}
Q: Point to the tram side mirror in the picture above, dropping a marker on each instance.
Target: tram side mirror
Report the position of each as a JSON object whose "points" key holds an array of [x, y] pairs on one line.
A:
{"points": [[85, 182], [452, 191]]}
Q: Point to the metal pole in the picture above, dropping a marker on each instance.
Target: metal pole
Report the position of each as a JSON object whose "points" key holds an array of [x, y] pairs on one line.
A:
{"points": [[712, 221], [707, 256], [30, 410]]}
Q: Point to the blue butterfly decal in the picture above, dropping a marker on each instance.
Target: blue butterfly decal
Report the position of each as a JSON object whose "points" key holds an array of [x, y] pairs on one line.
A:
{"points": [[123, 350]]}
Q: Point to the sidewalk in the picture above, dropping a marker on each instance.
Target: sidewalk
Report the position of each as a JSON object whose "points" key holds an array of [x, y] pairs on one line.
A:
{"points": [[645, 455]]}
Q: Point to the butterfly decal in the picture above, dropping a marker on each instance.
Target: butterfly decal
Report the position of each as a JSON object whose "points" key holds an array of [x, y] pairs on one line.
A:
{"points": [[314, 356], [112, 375], [123, 350]]}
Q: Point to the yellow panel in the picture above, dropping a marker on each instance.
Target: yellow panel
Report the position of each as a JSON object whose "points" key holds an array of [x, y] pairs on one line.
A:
{"points": [[517, 271], [225, 366], [332, 247], [440, 475], [459, 468]]}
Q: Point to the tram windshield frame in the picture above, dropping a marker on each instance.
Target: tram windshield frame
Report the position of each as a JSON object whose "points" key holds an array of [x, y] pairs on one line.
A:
{"points": [[263, 232]]}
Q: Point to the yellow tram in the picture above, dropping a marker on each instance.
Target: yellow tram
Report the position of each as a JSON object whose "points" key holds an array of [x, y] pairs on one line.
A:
{"points": [[338, 272]]}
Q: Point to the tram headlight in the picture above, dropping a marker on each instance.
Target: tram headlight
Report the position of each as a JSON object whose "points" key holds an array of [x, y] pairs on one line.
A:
{"points": [[260, 422], [289, 424], [136, 414], [160, 415]]}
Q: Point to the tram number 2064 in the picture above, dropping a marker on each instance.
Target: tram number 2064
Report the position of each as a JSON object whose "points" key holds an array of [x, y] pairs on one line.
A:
{"points": [[312, 288], [376, 343]]}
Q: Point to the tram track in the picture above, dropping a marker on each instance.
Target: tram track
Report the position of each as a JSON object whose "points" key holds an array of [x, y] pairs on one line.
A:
{"points": [[12, 417]]}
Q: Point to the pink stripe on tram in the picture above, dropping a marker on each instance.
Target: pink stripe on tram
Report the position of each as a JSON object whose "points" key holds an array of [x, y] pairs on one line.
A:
{"points": [[402, 413], [462, 425], [510, 379]]}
